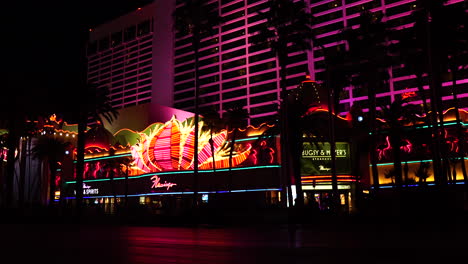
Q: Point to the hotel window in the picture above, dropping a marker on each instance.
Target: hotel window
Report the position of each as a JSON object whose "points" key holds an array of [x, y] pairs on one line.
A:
{"points": [[262, 77], [234, 84], [234, 54], [233, 74], [129, 33], [235, 44], [262, 67], [233, 104], [297, 58], [234, 25], [144, 28], [256, 18], [351, 1], [262, 56], [258, 47], [233, 64], [209, 99], [400, 9], [209, 89], [210, 79], [183, 50], [330, 27], [186, 58], [185, 67], [104, 43], [232, 7], [325, 7], [256, 8], [184, 105], [328, 17], [183, 42], [208, 52], [209, 42], [360, 8], [232, 35], [264, 109], [183, 86], [208, 70], [180, 96], [294, 81], [208, 61], [263, 87], [185, 76], [236, 93], [391, 1], [116, 38], [92, 48], [253, 1], [223, 2], [263, 98], [233, 16], [297, 69]]}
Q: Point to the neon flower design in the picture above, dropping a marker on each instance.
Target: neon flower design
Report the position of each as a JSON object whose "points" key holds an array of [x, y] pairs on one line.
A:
{"points": [[170, 146]]}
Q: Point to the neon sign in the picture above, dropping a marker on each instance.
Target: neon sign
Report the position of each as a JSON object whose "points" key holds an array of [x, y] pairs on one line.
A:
{"points": [[157, 183], [170, 147]]}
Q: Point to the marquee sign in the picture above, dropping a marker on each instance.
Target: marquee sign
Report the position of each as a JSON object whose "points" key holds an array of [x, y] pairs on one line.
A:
{"points": [[316, 158]]}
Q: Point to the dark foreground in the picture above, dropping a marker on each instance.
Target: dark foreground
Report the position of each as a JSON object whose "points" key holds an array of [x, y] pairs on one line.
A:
{"points": [[351, 239]]}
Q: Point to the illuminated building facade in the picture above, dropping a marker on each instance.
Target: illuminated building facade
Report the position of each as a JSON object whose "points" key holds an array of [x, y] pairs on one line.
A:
{"points": [[143, 60]]}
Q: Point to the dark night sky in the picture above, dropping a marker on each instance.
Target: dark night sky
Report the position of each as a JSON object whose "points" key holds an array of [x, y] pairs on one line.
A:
{"points": [[43, 41]]}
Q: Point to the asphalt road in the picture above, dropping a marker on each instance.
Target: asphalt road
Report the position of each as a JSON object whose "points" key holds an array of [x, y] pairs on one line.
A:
{"points": [[382, 241]]}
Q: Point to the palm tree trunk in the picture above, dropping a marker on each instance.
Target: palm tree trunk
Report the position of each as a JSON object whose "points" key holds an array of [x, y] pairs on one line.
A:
{"points": [[196, 44], [460, 134], [331, 130], [395, 143], [291, 140], [80, 163], [22, 176], [10, 166], [126, 187], [372, 141], [231, 152], [53, 173]]}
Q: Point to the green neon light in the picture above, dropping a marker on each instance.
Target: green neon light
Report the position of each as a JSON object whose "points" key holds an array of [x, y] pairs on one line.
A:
{"points": [[177, 172], [444, 124], [409, 162], [107, 157]]}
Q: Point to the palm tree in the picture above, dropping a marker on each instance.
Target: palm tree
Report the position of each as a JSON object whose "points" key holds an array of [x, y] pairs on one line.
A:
{"points": [[51, 150], [286, 22], [398, 114], [92, 104], [234, 119], [368, 59], [198, 18], [212, 123]]}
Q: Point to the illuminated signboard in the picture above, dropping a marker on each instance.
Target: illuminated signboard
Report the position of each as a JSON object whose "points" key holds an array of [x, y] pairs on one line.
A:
{"points": [[157, 183], [316, 158]]}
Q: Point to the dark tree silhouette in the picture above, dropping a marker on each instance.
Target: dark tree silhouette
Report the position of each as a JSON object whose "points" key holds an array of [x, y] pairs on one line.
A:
{"points": [[197, 18], [286, 22]]}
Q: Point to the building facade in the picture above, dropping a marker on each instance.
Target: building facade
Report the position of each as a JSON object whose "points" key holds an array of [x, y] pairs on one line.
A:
{"points": [[142, 59]]}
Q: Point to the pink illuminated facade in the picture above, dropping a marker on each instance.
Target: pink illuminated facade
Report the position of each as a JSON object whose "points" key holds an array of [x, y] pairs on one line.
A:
{"points": [[142, 59]]}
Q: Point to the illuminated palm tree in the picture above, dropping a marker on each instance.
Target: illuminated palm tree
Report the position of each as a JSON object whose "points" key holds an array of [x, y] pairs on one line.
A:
{"points": [[398, 114], [234, 119], [197, 18], [213, 123]]}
